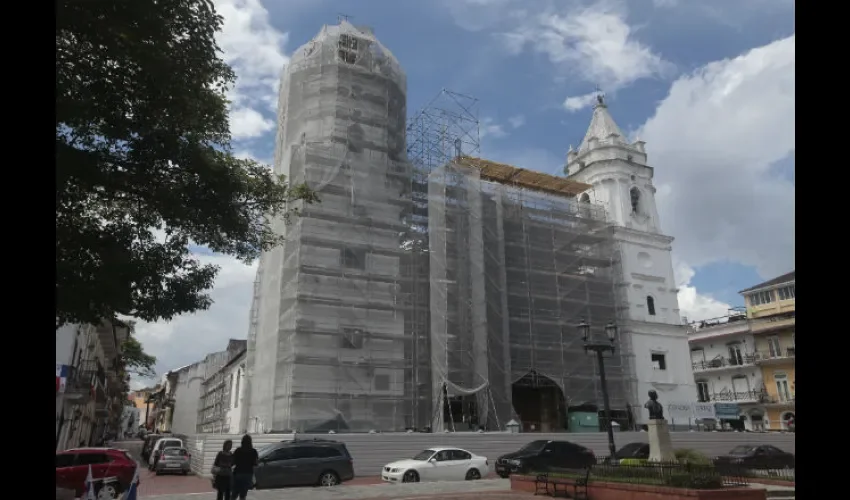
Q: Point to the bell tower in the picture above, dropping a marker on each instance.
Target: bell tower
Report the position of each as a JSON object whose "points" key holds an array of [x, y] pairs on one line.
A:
{"points": [[651, 324]]}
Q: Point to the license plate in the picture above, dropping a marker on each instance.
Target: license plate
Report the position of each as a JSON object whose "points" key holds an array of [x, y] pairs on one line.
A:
{"points": [[172, 465]]}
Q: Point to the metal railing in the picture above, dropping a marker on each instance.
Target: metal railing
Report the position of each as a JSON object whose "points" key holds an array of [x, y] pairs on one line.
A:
{"points": [[712, 474], [723, 362], [751, 395], [789, 352]]}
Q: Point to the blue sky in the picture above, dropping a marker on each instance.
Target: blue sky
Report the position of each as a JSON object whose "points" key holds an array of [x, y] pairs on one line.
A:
{"points": [[709, 85]]}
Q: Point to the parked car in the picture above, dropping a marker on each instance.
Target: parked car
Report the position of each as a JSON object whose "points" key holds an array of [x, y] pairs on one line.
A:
{"points": [[303, 463], [757, 457], [112, 470], [161, 444], [544, 455], [174, 461], [437, 464], [147, 448], [638, 451]]}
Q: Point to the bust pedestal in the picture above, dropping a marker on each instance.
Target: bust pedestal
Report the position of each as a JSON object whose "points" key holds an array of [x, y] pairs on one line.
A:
{"points": [[660, 446]]}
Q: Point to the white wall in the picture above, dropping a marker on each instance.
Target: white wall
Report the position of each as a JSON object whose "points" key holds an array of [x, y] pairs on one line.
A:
{"points": [[186, 399], [675, 384], [237, 396]]}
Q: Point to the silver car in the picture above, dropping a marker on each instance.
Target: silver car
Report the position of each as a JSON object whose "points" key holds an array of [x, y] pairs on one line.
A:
{"points": [[174, 461]]}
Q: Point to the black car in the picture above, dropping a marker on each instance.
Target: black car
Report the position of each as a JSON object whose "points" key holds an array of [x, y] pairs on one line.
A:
{"points": [[631, 450], [543, 456], [757, 457], [303, 463], [147, 448]]}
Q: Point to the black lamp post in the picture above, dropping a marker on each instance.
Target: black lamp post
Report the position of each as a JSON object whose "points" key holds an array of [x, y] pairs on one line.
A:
{"points": [[600, 346]]}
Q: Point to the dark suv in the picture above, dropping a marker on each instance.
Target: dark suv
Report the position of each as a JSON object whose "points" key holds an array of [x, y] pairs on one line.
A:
{"points": [[544, 456], [302, 463]]}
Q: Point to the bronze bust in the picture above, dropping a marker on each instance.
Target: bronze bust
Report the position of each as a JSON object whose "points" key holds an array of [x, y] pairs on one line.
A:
{"points": [[656, 411]]}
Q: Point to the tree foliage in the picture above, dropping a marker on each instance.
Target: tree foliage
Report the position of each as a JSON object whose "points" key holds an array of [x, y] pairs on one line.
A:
{"points": [[143, 161], [136, 361]]}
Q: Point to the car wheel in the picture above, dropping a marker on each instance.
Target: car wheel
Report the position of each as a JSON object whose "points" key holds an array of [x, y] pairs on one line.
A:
{"points": [[504, 475], [107, 492], [410, 476], [473, 474], [328, 478]]}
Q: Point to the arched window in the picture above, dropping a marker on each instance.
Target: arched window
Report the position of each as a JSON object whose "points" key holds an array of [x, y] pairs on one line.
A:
{"points": [[584, 198], [238, 379], [634, 195], [650, 305]]}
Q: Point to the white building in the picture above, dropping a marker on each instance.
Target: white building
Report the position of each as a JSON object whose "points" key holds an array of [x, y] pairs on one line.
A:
{"points": [[222, 402], [650, 320], [723, 357]]}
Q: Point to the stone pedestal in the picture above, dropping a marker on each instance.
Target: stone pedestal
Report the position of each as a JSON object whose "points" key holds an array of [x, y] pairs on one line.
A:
{"points": [[660, 446]]}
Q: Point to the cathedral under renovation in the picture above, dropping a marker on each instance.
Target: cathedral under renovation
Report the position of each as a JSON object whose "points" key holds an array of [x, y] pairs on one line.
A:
{"points": [[448, 297]]}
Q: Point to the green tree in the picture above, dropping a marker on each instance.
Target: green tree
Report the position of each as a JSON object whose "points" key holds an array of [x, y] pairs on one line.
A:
{"points": [[143, 162], [134, 358]]}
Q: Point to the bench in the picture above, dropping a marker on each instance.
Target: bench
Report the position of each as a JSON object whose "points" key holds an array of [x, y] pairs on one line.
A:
{"points": [[579, 485]]}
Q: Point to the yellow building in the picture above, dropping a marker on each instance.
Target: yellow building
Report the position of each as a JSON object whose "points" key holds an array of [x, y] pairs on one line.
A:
{"points": [[770, 310]]}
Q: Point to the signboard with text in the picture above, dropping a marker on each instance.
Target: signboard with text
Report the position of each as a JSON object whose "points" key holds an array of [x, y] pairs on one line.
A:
{"points": [[727, 411], [691, 410]]}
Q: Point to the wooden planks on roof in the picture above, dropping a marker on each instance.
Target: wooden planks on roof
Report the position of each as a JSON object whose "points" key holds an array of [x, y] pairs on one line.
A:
{"points": [[520, 177]]}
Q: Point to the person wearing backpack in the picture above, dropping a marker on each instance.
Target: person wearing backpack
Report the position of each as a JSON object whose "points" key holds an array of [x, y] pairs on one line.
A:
{"points": [[222, 471]]}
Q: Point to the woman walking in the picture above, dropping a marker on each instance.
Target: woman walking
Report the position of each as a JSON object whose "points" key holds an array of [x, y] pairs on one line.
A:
{"points": [[223, 471], [244, 460]]}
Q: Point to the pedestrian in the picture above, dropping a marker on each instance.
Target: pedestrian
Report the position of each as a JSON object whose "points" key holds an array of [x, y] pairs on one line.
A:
{"points": [[244, 460], [222, 471]]}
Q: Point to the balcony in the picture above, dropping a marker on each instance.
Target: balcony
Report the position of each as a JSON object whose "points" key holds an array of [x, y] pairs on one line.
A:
{"points": [[772, 323], [777, 401], [723, 363], [753, 396], [84, 380], [776, 357], [731, 324]]}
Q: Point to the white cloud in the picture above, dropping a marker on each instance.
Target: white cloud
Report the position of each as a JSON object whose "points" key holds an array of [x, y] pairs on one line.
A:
{"points": [[246, 123], [579, 102], [487, 127], [517, 121], [254, 49], [693, 305], [595, 44], [189, 337], [665, 3], [713, 142]]}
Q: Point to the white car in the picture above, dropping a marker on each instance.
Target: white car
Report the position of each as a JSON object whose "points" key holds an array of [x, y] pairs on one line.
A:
{"points": [[437, 464]]}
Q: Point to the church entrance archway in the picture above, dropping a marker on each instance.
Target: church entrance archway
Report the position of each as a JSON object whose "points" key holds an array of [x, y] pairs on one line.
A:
{"points": [[539, 403]]}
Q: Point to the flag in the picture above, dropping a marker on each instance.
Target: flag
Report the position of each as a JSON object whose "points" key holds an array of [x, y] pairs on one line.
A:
{"points": [[61, 377], [88, 494], [132, 491]]}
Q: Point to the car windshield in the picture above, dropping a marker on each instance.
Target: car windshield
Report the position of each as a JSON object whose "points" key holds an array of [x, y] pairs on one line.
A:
{"points": [[265, 450], [742, 450], [534, 446], [628, 451], [423, 455]]}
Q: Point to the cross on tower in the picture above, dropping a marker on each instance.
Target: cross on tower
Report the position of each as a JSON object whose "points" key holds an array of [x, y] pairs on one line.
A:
{"points": [[600, 96], [343, 17]]}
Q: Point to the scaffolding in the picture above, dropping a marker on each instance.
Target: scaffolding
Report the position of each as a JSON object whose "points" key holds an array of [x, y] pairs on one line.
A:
{"points": [[429, 288], [516, 263], [331, 345]]}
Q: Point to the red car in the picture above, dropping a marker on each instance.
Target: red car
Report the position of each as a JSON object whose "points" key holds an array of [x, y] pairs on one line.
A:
{"points": [[111, 468]]}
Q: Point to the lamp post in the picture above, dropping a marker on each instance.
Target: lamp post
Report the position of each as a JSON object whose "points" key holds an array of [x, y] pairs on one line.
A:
{"points": [[600, 346]]}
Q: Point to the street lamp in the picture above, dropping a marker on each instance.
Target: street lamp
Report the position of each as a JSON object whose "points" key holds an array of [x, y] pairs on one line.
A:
{"points": [[600, 346]]}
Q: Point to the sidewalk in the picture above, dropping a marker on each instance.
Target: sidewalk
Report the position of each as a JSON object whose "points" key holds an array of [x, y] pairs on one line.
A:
{"points": [[486, 489]]}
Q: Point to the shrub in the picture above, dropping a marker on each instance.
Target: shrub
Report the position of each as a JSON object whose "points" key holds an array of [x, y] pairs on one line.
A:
{"points": [[697, 482], [634, 461], [689, 456]]}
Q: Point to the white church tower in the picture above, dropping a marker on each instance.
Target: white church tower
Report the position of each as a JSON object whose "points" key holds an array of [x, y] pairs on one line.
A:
{"points": [[650, 322]]}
